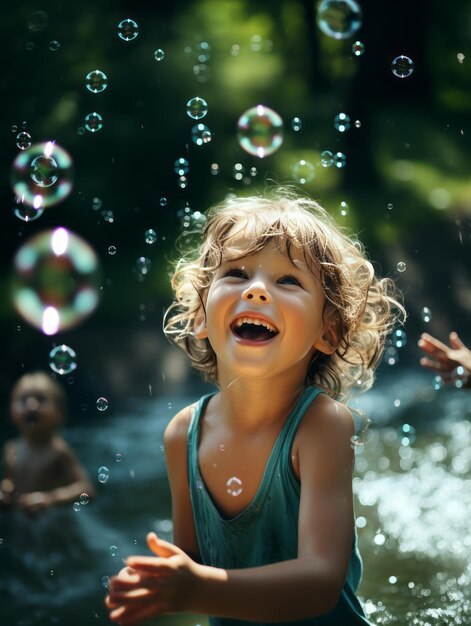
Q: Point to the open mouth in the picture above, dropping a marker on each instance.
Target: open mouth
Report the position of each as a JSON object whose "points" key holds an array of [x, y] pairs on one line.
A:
{"points": [[253, 329]]}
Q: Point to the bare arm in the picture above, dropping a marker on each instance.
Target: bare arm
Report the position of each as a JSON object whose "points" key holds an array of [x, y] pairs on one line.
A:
{"points": [[444, 359], [173, 582]]}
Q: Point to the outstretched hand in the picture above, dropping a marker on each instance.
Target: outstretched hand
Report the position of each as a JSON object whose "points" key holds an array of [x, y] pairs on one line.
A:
{"points": [[444, 359], [149, 586]]}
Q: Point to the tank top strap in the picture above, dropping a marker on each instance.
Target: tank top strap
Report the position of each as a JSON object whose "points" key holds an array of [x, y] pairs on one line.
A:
{"points": [[193, 435], [303, 403]]}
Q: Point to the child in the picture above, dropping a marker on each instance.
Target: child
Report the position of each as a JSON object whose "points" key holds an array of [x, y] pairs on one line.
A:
{"points": [[444, 360], [283, 312], [41, 469]]}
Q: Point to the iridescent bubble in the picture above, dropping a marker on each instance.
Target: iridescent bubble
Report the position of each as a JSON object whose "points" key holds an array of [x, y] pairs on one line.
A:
{"points": [[358, 48], [159, 54], [196, 108], [112, 250], [93, 122], [128, 30], [406, 434], [76, 506], [143, 265], [402, 66], [54, 45], [327, 158], [260, 131], [23, 140], [103, 474], [113, 550], [84, 499], [150, 236], [339, 19], [340, 159], [42, 175], [25, 212], [56, 280], [234, 486], [426, 314], [296, 124], [181, 166], [342, 122], [401, 266], [102, 404], [399, 338], [437, 382], [344, 208], [96, 81], [200, 134], [37, 21], [303, 171], [62, 359]]}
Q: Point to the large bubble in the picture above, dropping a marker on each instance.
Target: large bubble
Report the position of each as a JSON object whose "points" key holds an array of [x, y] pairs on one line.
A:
{"points": [[56, 280], [128, 30], [339, 19], [96, 81], [260, 131], [42, 175]]}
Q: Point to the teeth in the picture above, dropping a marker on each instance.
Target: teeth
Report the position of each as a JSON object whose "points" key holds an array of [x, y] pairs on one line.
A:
{"points": [[256, 321]]}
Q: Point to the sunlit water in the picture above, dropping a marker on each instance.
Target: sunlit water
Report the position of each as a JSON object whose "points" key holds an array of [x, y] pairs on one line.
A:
{"points": [[413, 506]]}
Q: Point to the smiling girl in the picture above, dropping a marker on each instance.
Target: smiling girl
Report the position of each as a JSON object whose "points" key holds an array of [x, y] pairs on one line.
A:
{"points": [[283, 312]]}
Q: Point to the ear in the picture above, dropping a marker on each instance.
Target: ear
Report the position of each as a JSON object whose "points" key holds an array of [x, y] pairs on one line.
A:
{"points": [[200, 330], [329, 341]]}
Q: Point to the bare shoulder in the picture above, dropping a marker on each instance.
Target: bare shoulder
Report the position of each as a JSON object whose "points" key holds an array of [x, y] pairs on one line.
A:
{"points": [[328, 416], [176, 432]]}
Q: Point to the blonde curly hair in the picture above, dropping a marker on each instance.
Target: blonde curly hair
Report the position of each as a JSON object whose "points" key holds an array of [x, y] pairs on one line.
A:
{"points": [[367, 307]]}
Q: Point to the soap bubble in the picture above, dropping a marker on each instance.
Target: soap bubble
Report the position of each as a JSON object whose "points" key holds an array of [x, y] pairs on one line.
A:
{"points": [[84, 499], [163, 201], [56, 280], [437, 382], [402, 66], [23, 140], [113, 550], [76, 506], [112, 250], [401, 267], [200, 134], [150, 236], [196, 108], [42, 175], [128, 30], [303, 171], [406, 434], [234, 486], [159, 54], [327, 158], [96, 81], [344, 208], [54, 45], [143, 265], [391, 356], [399, 338], [260, 131], [339, 19], [296, 124], [93, 122], [426, 314], [358, 48], [342, 122], [181, 166], [25, 212], [103, 474], [102, 404], [340, 159], [38, 21], [357, 124], [62, 360]]}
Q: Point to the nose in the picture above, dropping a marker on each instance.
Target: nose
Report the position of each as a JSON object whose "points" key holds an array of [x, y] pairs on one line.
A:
{"points": [[32, 404], [257, 292]]}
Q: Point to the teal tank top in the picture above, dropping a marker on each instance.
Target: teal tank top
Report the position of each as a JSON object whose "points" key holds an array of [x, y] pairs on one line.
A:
{"points": [[267, 530]]}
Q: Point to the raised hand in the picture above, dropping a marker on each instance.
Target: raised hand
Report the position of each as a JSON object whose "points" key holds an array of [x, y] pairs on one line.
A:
{"points": [[151, 586], [444, 359]]}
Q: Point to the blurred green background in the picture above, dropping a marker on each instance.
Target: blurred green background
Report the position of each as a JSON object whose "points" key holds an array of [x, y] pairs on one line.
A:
{"points": [[408, 158]]}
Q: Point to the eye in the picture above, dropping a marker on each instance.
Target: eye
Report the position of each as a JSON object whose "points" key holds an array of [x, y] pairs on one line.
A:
{"points": [[289, 280], [235, 273]]}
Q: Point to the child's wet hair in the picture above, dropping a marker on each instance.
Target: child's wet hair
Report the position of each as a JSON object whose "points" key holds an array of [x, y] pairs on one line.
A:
{"points": [[367, 308]]}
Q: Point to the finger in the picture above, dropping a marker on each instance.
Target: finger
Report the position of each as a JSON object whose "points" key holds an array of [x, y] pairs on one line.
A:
{"points": [[455, 341], [435, 365], [127, 616], [135, 597], [431, 344], [149, 564], [160, 547]]}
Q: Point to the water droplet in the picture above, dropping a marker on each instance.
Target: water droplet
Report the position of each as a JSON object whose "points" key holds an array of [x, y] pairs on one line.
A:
{"points": [[340, 160], [118, 457], [62, 359], [339, 19], [196, 108], [112, 250], [96, 81], [303, 171], [113, 550], [56, 281], [54, 45], [163, 201], [128, 30], [379, 539], [200, 134], [222, 447], [401, 266], [260, 131], [150, 236], [392, 580], [358, 48], [234, 486], [360, 521], [296, 124], [93, 122], [460, 56], [327, 158], [426, 314], [181, 166], [103, 474], [342, 122], [76, 506], [402, 66], [143, 265], [102, 404], [84, 499], [23, 140], [159, 54]]}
